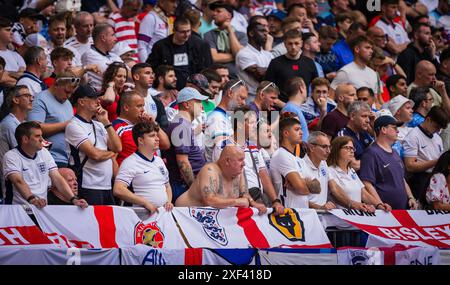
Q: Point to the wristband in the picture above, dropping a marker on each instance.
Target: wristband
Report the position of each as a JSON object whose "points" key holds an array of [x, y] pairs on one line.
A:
{"points": [[32, 197], [107, 126], [376, 207], [73, 198], [276, 201]]}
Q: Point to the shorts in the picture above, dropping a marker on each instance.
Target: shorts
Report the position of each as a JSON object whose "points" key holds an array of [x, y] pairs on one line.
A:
{"points": [[97, 197]]}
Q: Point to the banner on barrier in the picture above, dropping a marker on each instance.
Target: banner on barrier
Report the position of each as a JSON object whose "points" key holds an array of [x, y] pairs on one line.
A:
{"points": [[234, 228], [93, 227], [396, 255], [17, 229], [419, 228]]}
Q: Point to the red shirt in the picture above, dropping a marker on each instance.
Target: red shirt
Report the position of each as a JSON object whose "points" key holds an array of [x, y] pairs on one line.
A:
{"points": [[112, 109], [124, 131]]}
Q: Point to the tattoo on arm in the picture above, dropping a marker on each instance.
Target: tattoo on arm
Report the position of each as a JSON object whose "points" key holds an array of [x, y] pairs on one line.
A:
{"points": [[210, 187], [220, 186], [186, 172]]}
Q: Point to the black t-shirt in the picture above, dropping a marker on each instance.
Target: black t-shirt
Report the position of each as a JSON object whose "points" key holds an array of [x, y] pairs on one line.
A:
{"points": [[180, 64], [282, 68]]}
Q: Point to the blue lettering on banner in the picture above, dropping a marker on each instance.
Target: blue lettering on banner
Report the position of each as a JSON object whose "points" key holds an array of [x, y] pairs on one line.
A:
{"points": [[427, 260], [153, 257]]}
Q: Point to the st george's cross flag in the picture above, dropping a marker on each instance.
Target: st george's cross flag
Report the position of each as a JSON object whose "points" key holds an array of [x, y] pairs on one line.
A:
{"points": [[17, 229], [93, 227]]}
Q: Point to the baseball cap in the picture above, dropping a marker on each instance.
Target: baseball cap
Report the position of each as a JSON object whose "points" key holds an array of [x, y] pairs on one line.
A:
{"points": [[85, 91], [200, 81], [397, 102], [278, 14], [121, 48], [31, 13], [189, 93], [385, 120], [221, 4], [36, 39]]}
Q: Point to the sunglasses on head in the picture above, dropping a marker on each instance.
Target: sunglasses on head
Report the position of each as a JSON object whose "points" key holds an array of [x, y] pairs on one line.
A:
{"points": [[271, 84], [71, 80], [236, 84]]}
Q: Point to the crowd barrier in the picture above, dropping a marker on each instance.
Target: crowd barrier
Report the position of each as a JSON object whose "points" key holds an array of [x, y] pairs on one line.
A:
{"points": [[234, 236]]}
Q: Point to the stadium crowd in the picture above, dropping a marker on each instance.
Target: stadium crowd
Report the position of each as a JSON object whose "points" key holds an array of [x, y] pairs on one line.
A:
{"points": [[226, 103]]}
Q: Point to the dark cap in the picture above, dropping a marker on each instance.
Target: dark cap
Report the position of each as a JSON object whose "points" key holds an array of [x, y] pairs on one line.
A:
{"points": [[277, 14], [307, 36], [85, 91], [31, 13], [200, 81], [221, 4], [384, 121]]}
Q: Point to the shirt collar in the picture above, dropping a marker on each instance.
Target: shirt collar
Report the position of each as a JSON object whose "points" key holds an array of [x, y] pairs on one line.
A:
{"points": [[425, 132], [26, 155], [82, 119], [144, 157], [310, 163]]}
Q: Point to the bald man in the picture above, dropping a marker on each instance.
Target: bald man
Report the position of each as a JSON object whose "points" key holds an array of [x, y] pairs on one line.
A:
{"points": [[54, 197], [378, 37], [426, 77], [221, 184]]}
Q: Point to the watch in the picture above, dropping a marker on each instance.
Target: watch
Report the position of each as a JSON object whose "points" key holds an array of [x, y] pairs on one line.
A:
{"points": [[31, 198], [73, 198]]}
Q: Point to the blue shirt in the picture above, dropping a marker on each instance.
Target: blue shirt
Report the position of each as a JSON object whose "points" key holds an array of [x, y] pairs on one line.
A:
{"points": [[344, 54], [291, 107], [361, 140], [311, 111], [47, 109], [417, 120], [385, 171], [328, 18]]}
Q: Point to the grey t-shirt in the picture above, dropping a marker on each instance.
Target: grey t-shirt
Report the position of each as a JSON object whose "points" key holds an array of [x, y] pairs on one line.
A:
{"points": [[47, 109], [211, 38]]}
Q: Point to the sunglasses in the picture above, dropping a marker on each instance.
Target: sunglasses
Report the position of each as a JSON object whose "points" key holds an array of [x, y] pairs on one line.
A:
{"points": [[71, 80], [271, 84], [237, 83]]}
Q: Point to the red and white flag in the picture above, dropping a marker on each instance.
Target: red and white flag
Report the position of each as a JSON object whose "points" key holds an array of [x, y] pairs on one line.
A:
{"points": [[244, 228], [419, 228], [17, 229], [93, 227]]}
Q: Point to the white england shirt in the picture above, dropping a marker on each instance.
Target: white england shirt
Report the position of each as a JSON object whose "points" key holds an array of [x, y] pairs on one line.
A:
{"points": [[148, 177], [309, 170], [96, 175], [282, 163], [34, 170], [349, 182]]}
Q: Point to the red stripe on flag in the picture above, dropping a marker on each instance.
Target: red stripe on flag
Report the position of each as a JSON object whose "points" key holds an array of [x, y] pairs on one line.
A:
{"points": [[251, 230], [25, 235], [106, 226], [406, 220], [193, 256]]}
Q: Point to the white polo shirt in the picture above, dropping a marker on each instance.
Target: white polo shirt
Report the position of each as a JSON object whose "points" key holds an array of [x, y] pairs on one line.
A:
{"points": [[34, 170], [418, 144], [218, 124], [96, 175], [282, 163], [394, 30], [102, 60], [33, 83], [13, 60], [358, 77], [152, 29], [80, 47], [247, 57], [349, 182], [321, 173], [148, 177], [150, 105]]}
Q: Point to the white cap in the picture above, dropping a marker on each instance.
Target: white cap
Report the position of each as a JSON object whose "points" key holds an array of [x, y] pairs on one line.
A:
{"points": [[36, 39], [121, 48]]}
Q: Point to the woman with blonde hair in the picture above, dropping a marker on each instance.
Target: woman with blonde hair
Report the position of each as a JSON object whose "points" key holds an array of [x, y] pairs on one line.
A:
{"points": [[354, 194]]}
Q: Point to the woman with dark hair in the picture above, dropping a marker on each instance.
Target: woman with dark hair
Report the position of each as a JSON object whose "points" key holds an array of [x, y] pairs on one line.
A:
{"points": [[437, 195], [113, 84], [343, 176]]}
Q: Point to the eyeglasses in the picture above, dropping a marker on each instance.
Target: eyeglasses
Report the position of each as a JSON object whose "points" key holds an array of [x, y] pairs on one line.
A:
{"points": [[323, 146], [349, 148], [28, 95], [236, 84], [71, 80], [271, 84]]}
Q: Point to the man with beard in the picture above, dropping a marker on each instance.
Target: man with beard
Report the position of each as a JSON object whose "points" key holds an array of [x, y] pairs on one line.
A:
{"points": [[252, 60], [422, 48], [311, 47], [187, 54], [166, 85], [219, 126], [357, 72]]}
